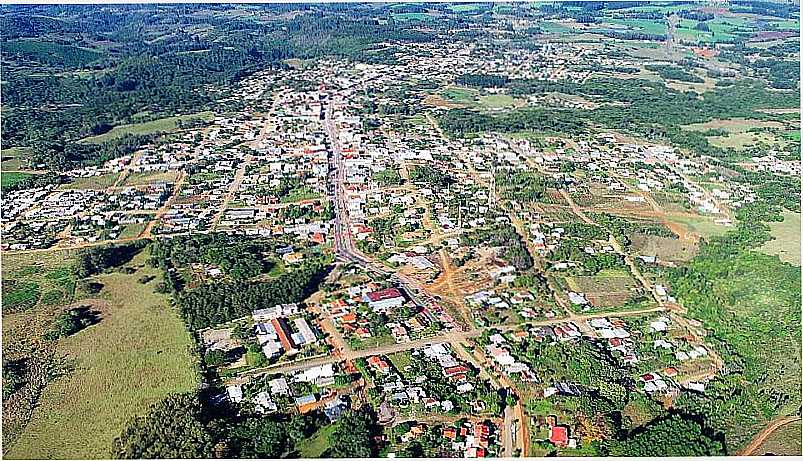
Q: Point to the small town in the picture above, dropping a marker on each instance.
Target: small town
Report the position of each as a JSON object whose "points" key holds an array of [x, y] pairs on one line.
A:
{"points": [[429, 253]]}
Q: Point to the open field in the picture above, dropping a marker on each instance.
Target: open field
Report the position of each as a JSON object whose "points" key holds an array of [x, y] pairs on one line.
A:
{"points": [[92, 182], [150, 177], [13, 158], [667, 249], [607, 289], [137, 353], [162, 125], [787, 239], [702, 226]]}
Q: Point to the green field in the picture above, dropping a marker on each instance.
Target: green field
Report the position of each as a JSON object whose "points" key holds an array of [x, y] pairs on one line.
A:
{"points": [[497, 101], [314, 446], [657, 27], [702, 226], [787, 239], [138, 353], [412, 17], [11, 178], [162, 125], [463, 7], [150, 177]]}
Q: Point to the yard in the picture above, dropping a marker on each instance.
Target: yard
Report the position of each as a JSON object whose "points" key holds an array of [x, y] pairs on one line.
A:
{"points": [[137, 353]]}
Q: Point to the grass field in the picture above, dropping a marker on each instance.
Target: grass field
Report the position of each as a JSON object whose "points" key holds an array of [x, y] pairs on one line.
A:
{"points": [[702, 226], [787, 239], [606, 289], [13, 158], [412, 17], [785, 441], [92, 182], [497, 101], [132, 230], [11, 178], [150, 177], [137, 353], [162, 125]]}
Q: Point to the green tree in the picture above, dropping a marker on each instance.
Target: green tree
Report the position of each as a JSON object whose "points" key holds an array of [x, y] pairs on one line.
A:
{"points": [[172, 428]]}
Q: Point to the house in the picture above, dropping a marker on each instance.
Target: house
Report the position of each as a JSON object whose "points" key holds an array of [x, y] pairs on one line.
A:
{"points": [[559, 436], [382, 300], [235, 393]]}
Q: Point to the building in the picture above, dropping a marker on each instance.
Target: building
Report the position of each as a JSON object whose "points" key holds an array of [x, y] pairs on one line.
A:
{"points": [[382, 300]]}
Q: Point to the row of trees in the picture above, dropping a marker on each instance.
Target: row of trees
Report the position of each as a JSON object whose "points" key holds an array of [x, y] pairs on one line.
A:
{"points": [[184, 426], [217, 303]]}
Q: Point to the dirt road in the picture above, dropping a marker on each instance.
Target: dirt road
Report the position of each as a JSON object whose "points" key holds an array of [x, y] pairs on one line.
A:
{"points": [[762, 436]]}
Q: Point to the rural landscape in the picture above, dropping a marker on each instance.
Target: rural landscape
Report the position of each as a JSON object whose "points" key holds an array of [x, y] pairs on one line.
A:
{"points": [[376, 230]]}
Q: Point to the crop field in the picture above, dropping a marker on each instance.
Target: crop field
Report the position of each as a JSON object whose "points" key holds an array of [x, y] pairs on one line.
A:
{"points": [[137, 353], [787, 239], [664, 248], [162, 125]]}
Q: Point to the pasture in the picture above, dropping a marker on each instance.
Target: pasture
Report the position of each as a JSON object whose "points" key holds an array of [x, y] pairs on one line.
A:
{"points": [[139, 352]]}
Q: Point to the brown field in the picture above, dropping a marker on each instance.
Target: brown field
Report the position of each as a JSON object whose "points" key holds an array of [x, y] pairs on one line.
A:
{"points": [[664, 248], [605, 289]]}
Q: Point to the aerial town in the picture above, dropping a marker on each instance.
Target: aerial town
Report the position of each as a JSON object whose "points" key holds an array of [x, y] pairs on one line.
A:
{"points": [[457, 248]]}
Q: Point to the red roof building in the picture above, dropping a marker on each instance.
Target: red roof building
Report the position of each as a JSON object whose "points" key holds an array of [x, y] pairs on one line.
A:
{"points": [[387, 293], [284, 335], [559, 436]]}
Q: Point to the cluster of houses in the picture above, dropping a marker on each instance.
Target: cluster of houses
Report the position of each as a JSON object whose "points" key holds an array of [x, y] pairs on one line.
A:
{"points": [[281, 330]]}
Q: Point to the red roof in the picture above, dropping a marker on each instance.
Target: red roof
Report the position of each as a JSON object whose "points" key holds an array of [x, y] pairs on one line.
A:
{"points": [[450, 432], [387, 293], [459, 369], [559, 435]]}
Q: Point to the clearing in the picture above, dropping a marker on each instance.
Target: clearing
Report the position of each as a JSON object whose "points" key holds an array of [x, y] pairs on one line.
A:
{"points": [[162, 125], [787, 239]]}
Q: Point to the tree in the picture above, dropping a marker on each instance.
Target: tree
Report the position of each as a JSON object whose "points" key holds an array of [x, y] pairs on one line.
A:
{"points": [[259, 438], [172, 428], [352, 436]]}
